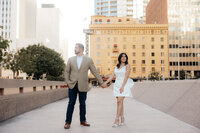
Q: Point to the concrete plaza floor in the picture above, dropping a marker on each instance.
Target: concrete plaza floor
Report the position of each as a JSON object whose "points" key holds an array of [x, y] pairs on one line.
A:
{"points": [[101, 109]]}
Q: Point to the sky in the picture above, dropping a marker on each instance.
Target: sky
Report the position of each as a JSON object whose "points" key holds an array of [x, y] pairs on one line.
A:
{"points": [[76, 14]]}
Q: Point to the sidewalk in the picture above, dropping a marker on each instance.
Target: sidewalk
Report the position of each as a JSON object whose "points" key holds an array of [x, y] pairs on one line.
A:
{"points": [[101, 108]]}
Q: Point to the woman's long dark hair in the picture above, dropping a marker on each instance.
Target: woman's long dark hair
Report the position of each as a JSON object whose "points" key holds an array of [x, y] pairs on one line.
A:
{"points": [[119, 59]]}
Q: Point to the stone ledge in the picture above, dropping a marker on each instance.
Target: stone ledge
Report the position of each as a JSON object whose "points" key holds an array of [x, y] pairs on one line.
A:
{"points": [[13, 105]]}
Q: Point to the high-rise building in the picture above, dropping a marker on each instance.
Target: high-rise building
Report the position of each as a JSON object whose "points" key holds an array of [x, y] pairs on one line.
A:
{"points": [[26, 28], [183, 19], [49, 28], [18, 18], [145, 44], [8, 19], [27, 19], [139, 9], [120, 8]]}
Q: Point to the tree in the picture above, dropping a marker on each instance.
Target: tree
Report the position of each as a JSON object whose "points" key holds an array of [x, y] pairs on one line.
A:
{"points": [[11, 61], [38, 60], [154, 76], [4, 44], [182, 74]]}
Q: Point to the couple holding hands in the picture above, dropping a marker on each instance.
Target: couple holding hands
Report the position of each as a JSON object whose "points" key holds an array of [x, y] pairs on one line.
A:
{"points": [[77, 79]]}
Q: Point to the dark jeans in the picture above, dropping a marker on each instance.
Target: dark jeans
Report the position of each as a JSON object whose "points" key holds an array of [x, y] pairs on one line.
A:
{"points": [[72, 100]]}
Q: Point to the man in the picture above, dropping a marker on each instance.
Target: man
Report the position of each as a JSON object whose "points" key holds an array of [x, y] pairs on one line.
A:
{"points": [[77, 80]]}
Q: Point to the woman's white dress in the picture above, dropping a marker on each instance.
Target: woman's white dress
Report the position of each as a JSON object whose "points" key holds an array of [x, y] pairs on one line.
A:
{"points": [[120, 75]]}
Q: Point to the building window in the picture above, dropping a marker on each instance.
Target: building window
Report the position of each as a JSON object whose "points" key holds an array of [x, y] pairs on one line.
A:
{"points": [[143, 69], [134, 61], [143, 46], [108, 53], [153, 69], [98, 39], [162, 46], [143, 61], [108, 46], [127, 19], [108, 39], [162, 61], [98, 46], [134, 69], [152, 61], [161, 39], [98, 62], [98, 54], [95, 21], [100, 21], [143, 54], [98, 32], [108, 31], [134, 53], [162, 53], [152, 54], [133, 46], [152, 39], [115, 61], [119, 20], [152, 46], [162, 69], [143, 39], [108, 21]]}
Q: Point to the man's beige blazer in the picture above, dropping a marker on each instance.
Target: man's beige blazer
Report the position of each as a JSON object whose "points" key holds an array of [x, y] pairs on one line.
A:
{"points": [[74, 75]]}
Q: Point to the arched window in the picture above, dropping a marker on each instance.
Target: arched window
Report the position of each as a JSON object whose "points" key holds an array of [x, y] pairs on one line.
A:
{"points": [[108, 21], [100, 21]]}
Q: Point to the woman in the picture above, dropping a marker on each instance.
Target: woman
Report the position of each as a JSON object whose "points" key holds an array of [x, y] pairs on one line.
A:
{"points": [[122, 86]]}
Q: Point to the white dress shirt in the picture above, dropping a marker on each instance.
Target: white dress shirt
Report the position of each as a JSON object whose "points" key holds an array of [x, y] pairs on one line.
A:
{"points": [[79, 61]]}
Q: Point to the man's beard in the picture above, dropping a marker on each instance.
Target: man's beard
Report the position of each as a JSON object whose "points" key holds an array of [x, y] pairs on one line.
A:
{"points": [[77, 52]]}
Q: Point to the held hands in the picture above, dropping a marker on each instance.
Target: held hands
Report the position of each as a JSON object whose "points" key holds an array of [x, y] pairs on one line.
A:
{"points": [[104, 85]]}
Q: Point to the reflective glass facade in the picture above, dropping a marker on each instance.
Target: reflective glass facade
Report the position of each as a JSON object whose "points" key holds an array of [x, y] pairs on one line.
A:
{"points": [[183, 19]]}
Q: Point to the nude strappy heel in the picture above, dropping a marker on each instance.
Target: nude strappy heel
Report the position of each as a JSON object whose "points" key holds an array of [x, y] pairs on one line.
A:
{"points": [[122, 123], [116, 124]]}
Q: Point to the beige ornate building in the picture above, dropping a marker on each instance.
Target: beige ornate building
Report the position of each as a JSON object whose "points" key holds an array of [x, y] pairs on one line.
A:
{"points": [[145, 44]]}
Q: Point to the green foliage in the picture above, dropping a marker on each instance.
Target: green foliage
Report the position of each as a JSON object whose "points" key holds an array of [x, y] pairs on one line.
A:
{"points": [[154, 76], [4, 44], [11, 61], [182, 74], [38, 60]]}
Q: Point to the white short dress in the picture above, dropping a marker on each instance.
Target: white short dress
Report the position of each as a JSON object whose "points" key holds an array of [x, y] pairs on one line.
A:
{"points": [[120, 75]]}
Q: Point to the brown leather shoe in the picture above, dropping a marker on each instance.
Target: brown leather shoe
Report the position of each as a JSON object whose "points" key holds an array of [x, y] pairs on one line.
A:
{"points": [[85, 124], [67, 126]]}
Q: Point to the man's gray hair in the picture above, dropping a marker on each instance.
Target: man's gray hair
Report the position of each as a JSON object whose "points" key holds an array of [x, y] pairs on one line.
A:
{"points": [[80, 45]]}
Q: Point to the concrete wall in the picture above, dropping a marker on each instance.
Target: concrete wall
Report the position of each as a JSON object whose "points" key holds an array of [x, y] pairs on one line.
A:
{"points": [[12, 105], [12, 86], [180, 99]]}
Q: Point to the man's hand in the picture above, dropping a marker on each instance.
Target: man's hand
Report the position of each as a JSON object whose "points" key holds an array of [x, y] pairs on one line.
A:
{"points": [[104, 85]]}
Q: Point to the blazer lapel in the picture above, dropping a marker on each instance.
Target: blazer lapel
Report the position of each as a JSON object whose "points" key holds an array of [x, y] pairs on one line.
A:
{"points": [[75, 62]]}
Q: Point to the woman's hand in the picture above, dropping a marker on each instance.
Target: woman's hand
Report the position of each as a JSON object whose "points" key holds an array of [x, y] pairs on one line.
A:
{"points": [[121, 89]]}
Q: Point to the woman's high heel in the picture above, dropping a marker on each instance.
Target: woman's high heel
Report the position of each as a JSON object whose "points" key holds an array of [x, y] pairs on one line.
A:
{"points": [[122, 123], [116, 124]]}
